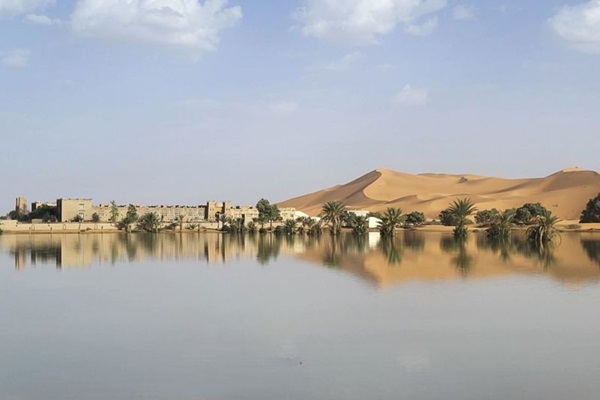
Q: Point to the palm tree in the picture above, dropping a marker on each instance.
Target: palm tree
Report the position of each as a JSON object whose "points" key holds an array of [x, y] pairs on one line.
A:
{"points": [[150, 222], [501, 224], [359, 224], [289, 227], [460, 210], [332, 213], [179, 219], [390, 220], [314, 227], [543, 231]]}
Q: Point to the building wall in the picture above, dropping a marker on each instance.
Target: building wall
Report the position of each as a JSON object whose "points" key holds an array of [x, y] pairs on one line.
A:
{"points": [[214, 208], [246, 213], [168, 213], [68, 209], [287, 213]]}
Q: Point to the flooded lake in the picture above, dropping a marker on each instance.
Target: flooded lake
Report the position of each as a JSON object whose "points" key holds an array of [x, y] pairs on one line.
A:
{"points": [[208, 316]]}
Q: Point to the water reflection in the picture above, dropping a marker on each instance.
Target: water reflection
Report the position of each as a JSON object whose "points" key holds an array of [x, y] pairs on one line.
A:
{"points": [[592, 249], [410, 256]]}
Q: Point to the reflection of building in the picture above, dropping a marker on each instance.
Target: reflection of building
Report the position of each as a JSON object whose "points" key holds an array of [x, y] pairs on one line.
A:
{"points": [[77, 251]]}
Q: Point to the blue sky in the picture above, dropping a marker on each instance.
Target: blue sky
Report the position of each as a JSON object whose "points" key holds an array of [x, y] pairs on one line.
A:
{"points": [[183, 101]]}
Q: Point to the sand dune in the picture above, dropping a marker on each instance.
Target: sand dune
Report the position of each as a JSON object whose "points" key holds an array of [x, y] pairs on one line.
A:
{"points": [[565, 193]]}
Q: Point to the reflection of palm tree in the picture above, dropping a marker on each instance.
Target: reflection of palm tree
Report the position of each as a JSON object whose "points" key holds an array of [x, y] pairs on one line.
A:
{"points": [[414, 241], [546, 256], [391, 250], [131, 247], [592, 249], [148, 242], [502, 246], [463, 261], [448, 244], [268, 248], [331, 256], [530, 249]]}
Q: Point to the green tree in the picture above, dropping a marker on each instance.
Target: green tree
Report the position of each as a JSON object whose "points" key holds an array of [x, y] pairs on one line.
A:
{"points": [[130, 218], [447, 218], [331, 213], [486, 217], [527, 213], [95, 217], [591, 213], [150, 222], [460, 210], [114, 212], [267, 212], [390, 219], [77, 218], [415, 218]]}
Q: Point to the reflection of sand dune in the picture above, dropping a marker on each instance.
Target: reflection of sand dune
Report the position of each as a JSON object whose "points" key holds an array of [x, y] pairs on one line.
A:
{"points": [[413, 256], [401, 263], [565, 192]]}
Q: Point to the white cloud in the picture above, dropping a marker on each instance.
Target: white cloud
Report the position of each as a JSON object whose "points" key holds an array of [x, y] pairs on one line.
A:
{"points": [[463, 12], [344, 63], [361, 21], [423, 29], [179, 23], [579, 25], [41, 20], [22, 6], [17, 58], [410, 96]]}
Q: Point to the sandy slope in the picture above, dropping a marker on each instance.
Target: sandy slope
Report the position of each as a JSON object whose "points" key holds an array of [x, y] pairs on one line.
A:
{"points": [[565, 193]]}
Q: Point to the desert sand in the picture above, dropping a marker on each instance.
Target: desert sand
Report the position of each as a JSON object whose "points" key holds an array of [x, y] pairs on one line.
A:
{"points": [[565, 193]]}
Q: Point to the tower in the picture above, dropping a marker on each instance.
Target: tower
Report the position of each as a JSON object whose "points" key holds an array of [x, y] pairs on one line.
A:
{"points": [[21, 205]]}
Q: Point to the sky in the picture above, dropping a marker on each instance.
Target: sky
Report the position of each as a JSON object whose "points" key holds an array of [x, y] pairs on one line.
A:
{"points": [[184, 101]]}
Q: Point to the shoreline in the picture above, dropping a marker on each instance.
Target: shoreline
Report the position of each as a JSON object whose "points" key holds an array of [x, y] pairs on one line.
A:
{"points": [[210, 227]]}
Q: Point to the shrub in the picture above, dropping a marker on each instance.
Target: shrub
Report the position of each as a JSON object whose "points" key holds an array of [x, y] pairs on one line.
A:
{"points": [[486, 217], [591, 213], [415, 218], [528, 213], [447, 218]]}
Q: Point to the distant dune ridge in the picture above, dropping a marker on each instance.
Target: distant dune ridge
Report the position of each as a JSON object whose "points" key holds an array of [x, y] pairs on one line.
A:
{"points": [[565, 193]]}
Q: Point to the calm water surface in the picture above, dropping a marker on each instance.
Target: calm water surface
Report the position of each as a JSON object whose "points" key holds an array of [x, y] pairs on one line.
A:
{"points": [[209, 316]]}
